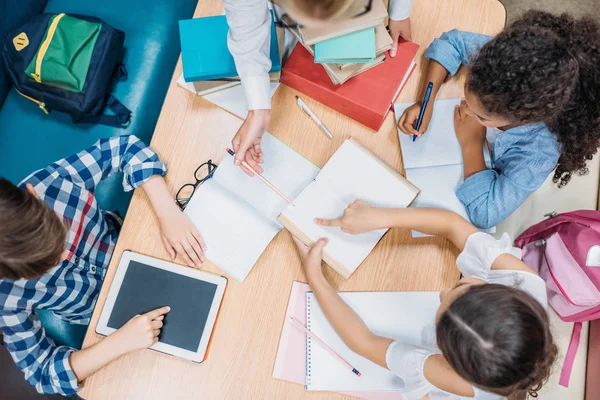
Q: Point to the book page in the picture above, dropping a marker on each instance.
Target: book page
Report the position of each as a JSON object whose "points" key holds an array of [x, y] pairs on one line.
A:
{"points": [[408, 317], [355, 174], [439, 145], [283, 167], [235, 233], [319, 201]]}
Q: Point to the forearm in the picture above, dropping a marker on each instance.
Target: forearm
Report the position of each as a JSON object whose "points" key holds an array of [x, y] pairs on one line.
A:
{"points": [[473, 158], [436, 74], [347, 324], [160, 198], [431, 221], [89, 360]]}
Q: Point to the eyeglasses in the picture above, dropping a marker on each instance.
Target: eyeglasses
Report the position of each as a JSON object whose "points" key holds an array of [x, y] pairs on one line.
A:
{"points": [[285, 21], [203, 173]]}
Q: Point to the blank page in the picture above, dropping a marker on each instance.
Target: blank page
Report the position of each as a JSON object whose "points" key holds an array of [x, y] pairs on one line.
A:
{"points": [[234, 232], [405, 316], [319, 201], [439, 145], [283, 167], [355, 174]]}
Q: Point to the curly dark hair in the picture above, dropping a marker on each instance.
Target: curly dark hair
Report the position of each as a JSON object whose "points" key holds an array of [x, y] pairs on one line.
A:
{"points": [[498, 338], [546, 68]]}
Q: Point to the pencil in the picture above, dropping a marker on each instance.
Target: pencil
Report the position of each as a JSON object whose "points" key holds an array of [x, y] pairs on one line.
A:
{"points": [[262, 178], [322, 343]]}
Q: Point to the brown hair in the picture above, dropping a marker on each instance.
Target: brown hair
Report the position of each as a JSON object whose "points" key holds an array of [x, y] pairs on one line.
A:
{"points": [[32, 236], [320, 9], [498, 339]]}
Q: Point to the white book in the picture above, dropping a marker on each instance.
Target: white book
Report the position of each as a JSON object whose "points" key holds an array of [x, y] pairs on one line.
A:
{"points": [[237, 215], [405, 316], [352, 173], [434, 162]]}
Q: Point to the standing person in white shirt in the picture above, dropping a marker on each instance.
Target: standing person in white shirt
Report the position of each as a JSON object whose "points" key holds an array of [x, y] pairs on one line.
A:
{"points": [[249, 40]]}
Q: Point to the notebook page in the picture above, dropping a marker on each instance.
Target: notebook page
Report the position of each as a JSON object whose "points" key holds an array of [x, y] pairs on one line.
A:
{"points": [[319, 201], [439, 145], [405, 316], [283, 167], [354, 174], [234, 232]]}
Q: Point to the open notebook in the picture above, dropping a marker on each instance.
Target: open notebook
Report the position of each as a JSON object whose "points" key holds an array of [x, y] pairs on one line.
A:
{"points": [[434, 162], [290, 362], [405, 316], [352, 173], [237, 215]]}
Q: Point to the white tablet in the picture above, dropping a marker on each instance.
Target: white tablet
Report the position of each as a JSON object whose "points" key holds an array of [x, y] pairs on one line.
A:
{"points": [[143, 283]]}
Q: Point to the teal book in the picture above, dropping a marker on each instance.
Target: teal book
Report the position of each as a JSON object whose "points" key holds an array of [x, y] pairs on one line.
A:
{"points": [[204, 49], [356, 47]]}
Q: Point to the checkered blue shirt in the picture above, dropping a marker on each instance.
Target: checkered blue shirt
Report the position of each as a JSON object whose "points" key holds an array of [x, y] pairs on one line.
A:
{"points": [[70, 289]]}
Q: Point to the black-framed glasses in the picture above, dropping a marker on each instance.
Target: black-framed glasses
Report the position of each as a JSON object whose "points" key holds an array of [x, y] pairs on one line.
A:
{"points": [[285, 21], [203, 173]]}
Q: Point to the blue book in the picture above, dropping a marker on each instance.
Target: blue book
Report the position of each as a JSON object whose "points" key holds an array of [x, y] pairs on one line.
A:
{"points": [[204, 49], [356, 47]]}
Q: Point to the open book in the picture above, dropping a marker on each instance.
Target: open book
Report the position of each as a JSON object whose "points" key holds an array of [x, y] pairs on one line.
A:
{"points": [[434, 162], [352, 173], [238, 216]]}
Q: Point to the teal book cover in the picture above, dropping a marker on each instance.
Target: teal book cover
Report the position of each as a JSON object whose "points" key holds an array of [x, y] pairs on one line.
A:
{"points": [[204, 49], [356, 47]]}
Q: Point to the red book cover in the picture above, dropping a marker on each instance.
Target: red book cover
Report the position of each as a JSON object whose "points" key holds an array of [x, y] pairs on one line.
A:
{"points": [[366, 98]]}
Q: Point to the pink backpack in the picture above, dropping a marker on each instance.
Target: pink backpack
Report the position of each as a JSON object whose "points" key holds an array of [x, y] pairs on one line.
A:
{"points": [[565, 251]]}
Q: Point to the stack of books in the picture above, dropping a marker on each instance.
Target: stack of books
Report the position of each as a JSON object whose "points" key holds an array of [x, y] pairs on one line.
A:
{"points": [[348, 48], [206, 59]]}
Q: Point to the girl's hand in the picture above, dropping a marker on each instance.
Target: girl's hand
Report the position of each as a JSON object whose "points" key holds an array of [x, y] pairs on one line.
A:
{"points": [[311, 257], [140, 332], [398, 29], [180, 236], [408, 120], [359, 217], [468, 130]]}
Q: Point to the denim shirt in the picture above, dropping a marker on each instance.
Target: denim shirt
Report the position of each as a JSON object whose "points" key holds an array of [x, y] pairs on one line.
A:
{"points": [[522, 157]]}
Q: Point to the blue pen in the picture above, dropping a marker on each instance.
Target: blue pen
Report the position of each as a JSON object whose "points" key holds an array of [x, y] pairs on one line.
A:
{"points": [[423, 107]]}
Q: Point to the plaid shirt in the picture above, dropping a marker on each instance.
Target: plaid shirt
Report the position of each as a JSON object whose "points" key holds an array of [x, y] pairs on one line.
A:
{"points": [[70, 289]]}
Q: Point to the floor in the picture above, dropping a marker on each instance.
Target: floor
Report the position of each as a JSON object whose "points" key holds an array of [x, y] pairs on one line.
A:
{"points": [[11, 379]]}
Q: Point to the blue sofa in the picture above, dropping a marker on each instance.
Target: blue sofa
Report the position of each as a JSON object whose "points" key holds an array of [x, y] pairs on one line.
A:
{"points": [[30, 140]]}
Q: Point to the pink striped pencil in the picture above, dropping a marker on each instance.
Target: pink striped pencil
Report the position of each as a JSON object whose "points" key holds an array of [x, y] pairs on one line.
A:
{"points": [[322, 343], [262, 178]]}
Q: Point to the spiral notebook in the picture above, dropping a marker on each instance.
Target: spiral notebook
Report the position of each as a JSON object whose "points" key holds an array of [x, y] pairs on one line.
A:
{"points": [[405, 316]]}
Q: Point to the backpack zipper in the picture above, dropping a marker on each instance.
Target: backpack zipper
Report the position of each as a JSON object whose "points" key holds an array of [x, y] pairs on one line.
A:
{"points": [[41, 104], [37, 76]]}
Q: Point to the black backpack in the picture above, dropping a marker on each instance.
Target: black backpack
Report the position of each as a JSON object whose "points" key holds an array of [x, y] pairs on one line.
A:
{"points": [[68, 63]]}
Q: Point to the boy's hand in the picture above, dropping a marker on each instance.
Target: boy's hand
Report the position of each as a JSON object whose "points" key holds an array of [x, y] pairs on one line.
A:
{"points": [[311, 257], [140, 332], [399, 29], [180, 236], [359, 217], [408, 120], [468, 130]]}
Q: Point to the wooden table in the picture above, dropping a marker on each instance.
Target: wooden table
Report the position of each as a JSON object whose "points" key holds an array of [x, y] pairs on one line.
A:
{"points": [[190, 131]]}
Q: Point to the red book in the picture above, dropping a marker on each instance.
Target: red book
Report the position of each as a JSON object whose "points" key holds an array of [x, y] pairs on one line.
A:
{"points": [[366, 98]]}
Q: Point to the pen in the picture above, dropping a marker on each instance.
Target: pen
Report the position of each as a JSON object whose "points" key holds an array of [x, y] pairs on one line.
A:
{"points": [[262, 178], [423, 107], [312, 116], [322, 343]]}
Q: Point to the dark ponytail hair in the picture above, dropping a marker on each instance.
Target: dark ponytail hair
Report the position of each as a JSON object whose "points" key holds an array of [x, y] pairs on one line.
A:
{"points": [[546, 68], [498, 339]]}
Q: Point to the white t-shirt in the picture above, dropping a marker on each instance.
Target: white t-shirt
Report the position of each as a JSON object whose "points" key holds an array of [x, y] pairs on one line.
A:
{"points": [[481, 249]]}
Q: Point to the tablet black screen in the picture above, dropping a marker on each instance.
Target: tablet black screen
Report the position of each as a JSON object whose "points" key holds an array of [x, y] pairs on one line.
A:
{"points": [[146, 288]]}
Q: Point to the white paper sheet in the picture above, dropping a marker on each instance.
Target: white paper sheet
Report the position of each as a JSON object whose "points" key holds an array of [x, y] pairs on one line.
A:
{"points": [[439, 145], [283, 167], [404, 316], [235, 233]]}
